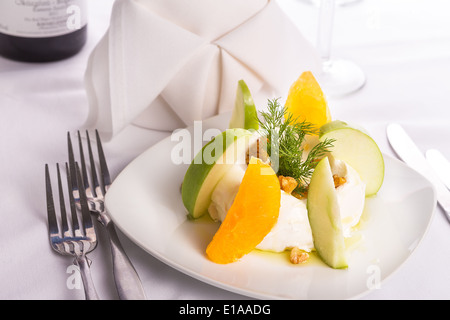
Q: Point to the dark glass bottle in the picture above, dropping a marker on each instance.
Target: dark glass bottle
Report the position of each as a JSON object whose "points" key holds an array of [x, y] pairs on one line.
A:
{"points": [[42, 30]]}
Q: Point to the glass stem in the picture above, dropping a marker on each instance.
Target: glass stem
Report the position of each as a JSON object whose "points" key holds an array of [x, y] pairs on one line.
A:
{"points": [[325, 30]]}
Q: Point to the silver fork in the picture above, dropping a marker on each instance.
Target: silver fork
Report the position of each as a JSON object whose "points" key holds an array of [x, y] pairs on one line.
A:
{"points": [[78, 240], [128, 284]]}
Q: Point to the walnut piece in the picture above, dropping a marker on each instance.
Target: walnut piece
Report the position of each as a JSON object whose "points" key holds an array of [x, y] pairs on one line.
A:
{"points": [[338, 181], [287, 184], [298, 256]]}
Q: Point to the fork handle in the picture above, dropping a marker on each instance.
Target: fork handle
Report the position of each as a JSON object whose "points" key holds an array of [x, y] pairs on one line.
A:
{"points": [[84, 264], [128, 284]]}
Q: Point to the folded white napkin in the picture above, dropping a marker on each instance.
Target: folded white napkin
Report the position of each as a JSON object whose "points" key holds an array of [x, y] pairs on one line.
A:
{"points": [[165, 63]]}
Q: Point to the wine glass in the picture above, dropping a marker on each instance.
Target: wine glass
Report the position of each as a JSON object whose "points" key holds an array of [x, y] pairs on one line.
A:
{"points": [[338, 76]]}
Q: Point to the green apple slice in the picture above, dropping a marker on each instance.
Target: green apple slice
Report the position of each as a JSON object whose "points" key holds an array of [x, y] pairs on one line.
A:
{"points": [[354, 146], [244, 114], [325, 218], [209, 166]]}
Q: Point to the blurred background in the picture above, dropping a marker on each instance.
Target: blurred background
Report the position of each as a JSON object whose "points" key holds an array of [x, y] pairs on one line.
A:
{"points": [[401, 46]]}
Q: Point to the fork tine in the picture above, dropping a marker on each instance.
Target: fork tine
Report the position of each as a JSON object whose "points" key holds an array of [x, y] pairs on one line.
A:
{"points": [[64, 224], [87, 186], [73, 210], [87, 220], [51, 214], [71, 159], [103, 166], [96, 184], [72, 171]]}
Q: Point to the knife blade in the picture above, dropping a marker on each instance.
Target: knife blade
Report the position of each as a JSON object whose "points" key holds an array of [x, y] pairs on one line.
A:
{"points": [[407, 151], [440, 165]]}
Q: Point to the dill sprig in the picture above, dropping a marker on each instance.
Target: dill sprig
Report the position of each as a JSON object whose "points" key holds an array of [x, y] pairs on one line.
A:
{"points": [[285, 140]]}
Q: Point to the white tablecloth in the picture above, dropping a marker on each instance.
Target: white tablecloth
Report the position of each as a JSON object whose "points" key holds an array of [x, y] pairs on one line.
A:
{"points": [[403, 47]]}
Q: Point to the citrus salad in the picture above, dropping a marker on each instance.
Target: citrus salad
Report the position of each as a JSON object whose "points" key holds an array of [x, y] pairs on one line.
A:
{"points": [[287, 178]]}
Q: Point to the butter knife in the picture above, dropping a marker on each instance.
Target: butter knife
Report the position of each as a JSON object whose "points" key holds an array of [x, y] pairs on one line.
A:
{"points": [[440, 165], [407, 150]]}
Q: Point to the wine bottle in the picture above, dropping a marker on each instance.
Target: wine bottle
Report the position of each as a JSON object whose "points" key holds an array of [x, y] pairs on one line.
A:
{"points": [[42, 30]]}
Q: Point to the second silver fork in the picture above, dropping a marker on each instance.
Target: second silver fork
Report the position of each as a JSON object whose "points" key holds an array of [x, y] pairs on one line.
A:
{"points": [[128, 284]]}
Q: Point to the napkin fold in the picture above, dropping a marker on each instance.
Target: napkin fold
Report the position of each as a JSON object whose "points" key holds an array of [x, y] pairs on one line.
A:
{"points": [[165, 63]]}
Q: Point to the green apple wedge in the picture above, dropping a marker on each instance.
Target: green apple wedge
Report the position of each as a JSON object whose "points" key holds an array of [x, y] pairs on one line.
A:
{"points": [[325, 218], [354, 146], [244, 114], [208, 168]]}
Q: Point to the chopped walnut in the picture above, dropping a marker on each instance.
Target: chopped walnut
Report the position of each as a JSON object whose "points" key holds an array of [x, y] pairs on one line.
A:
{"points": [[338, 181], [298, 256], [287, 184]]}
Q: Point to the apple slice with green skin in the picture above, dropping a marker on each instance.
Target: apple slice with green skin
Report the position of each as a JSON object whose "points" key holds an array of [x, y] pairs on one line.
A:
{"points": [[209, 166], [354, 146], [325, 218], [244, 114]]}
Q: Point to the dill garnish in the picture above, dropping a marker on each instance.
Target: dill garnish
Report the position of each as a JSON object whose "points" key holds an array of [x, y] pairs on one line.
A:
{"points": [[285, 142]]}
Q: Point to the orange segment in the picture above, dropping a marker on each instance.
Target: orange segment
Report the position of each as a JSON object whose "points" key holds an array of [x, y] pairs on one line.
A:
{"points": [[251, 217], [307, 102]]}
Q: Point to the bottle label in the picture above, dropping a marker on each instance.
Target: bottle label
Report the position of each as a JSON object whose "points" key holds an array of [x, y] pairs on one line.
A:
{"points": [[42, 18]]}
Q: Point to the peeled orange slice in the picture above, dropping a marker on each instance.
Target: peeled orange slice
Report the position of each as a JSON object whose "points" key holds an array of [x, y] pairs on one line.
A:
{"points": [[306, 101], [251, 217]]}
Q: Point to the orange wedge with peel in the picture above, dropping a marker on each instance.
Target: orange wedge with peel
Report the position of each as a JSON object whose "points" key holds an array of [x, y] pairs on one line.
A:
{"points": [[251, 216], [306, 101]]}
